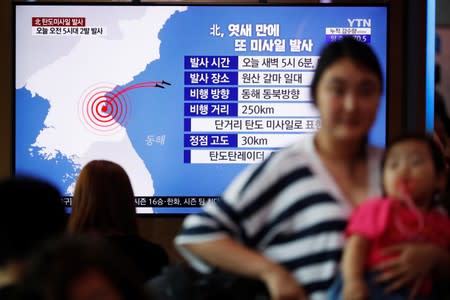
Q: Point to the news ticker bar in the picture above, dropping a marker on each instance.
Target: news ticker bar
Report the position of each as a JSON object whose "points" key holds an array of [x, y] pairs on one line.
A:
{"points": [[196, 201]]}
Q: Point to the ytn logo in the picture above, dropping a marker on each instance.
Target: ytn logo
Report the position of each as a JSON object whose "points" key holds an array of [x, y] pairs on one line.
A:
{"points": [[359, 22]]}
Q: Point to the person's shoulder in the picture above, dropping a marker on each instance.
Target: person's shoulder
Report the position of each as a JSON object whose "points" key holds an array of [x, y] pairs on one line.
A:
{"points": [[133, 240], [376, 203], [375, 152], [439, 223], [304, 144], [294, 160], [439, 215], [370, 217], [137, 243], [300, 152]]}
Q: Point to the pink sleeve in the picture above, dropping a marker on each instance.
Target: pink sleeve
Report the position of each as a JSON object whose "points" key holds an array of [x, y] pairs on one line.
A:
{"points": [[370, 218]]}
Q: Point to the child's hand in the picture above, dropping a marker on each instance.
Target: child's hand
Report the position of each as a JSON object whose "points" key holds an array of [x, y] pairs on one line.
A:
{"points": [[355, 290]]}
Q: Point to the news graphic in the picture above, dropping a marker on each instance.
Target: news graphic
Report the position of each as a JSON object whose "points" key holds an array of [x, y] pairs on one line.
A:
{"points": [[182, 97], [104, 110]]}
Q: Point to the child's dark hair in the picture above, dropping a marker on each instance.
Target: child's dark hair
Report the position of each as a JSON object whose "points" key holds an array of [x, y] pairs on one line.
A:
{"points": [[435, 150], [348, 47]]}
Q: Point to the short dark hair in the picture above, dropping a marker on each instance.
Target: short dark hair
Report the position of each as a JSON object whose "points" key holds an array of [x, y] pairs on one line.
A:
{"points": [[31, 212], [59, 263], [347, 47]]}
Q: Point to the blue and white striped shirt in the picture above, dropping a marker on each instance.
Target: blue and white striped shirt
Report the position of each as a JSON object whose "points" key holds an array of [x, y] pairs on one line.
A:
{"points": [[290, 209]]}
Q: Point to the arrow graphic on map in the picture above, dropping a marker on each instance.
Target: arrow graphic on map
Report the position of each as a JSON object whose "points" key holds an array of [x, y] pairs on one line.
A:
{"points": [[104, 107]]}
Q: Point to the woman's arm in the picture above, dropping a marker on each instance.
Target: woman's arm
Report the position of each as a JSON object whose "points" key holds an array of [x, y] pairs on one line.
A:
{"points": [[229, 255], [442, 264], [414, 263], [353, 261]]}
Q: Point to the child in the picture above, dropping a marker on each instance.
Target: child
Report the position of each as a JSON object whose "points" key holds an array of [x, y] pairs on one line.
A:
{"points": [[413, 171]]}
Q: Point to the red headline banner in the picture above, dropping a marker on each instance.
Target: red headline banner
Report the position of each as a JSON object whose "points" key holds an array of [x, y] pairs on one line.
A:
{"points": [[58, 21]]}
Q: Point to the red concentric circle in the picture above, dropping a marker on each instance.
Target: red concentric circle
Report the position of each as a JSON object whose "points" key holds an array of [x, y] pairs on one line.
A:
{"points": [[103, 109]]}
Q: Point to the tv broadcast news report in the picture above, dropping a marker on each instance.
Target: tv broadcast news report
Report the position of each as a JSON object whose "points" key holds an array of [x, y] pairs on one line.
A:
{"points": [[182, 97]]}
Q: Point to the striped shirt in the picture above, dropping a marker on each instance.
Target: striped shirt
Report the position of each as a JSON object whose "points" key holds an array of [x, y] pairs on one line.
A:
{"points": [[289, 208]]}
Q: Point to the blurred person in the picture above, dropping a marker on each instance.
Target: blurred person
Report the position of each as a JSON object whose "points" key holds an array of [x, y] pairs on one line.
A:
{"points": [[80, 267], [31, 212], [103, 203], [413, 175], [283, 221], [442, 136]]}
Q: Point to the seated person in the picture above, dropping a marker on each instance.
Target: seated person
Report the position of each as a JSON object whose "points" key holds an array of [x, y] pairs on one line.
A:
{"points": [[31, 212], [80, 267], [103, 203]]}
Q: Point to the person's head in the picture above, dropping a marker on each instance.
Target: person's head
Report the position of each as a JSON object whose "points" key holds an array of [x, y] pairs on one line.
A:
{"points": [[103, 200], [346, 89], [31, 212], [413, 164], [80, 267]]}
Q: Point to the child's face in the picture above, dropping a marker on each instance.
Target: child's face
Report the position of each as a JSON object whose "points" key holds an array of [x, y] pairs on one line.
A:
{"points": [[409, 167]]}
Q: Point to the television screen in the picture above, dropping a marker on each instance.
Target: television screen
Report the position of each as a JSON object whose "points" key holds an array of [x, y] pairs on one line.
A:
{"points": [[183, 97]]}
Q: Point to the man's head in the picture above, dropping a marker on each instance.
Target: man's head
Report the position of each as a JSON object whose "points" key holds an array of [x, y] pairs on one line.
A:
{"points": [[31, 212]]}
